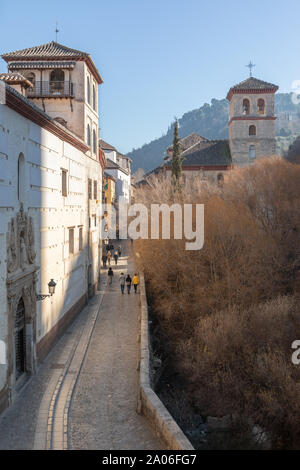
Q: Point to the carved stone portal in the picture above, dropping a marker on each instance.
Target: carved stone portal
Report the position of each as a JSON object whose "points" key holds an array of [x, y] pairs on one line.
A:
{"points": [[20, 242], [21, 284]]}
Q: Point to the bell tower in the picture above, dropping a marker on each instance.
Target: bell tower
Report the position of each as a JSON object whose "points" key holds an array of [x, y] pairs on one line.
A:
{"points": [[251, 120], [64, 84]]}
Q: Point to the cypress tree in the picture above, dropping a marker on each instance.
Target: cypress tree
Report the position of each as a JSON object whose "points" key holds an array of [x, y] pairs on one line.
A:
{"points": [[176, 159]]}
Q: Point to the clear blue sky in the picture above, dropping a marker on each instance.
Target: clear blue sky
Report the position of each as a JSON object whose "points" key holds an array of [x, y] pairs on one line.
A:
{"points": [[161, 58]]}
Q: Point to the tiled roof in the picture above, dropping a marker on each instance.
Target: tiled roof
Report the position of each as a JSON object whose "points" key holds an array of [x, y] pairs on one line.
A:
{"points": [[51, 49], [252, 84], [105, 146], [110, 164], [15, 79], [47, 64], [188, 141], [209, 154]]}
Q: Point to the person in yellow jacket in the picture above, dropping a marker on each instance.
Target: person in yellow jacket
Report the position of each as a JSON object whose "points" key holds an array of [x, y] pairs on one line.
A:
{"points": [[135, 282]]}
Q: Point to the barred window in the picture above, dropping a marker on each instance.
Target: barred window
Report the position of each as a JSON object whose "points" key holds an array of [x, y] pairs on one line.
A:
{"points": [[90, 188], [71, 241], [64, 187], [94, 141], [80, 238]]}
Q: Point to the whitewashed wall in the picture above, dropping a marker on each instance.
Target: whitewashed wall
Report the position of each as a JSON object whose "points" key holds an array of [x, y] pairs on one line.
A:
{"points": [[45, 155]]}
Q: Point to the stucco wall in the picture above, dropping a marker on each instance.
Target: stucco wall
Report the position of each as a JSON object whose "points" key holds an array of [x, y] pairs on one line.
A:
{"points": [[45, 155]]}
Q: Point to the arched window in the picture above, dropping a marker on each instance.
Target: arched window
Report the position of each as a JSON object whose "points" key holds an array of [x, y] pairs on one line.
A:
{"points": [[88, 135], [94, 97], [94, 141], [252, 152], [57, 78], [88, 90], [252, 130], [246, 106], [261, 106], [61, 121], [220, 179], [21, 178], [57, 75]]}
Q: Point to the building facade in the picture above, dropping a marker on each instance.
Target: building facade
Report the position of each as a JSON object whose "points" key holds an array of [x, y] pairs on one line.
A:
{"points": [[50, 189], [118, 166]]}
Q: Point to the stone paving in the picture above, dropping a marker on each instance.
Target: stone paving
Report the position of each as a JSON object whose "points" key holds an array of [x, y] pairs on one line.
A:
{"points": [[103, 409], [99, 352]]}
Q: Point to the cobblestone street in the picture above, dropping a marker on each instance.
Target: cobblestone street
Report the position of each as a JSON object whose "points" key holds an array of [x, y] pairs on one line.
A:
{"points": [[84, 395]]}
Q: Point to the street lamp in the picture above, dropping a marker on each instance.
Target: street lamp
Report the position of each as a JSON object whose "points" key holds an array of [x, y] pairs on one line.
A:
{"points": [[51, 289]]}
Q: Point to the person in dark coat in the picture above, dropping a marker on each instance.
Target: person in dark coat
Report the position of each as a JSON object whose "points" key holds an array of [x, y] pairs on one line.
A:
{"points": [[128, 283], [104, 259], [110, 274]]}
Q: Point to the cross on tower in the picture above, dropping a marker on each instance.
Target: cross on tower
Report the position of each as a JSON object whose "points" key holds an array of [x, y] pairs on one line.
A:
{"points": [[250, 66], [56, 32]]}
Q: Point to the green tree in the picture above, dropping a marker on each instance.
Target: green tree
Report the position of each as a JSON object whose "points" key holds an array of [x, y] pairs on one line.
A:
{"points": [[176, 159]]}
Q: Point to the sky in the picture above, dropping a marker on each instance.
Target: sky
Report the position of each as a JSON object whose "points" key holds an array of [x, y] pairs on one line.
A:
{"points": [[162, 58]]}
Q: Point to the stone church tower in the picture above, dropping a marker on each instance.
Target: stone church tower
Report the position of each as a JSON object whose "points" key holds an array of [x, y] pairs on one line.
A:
{"points": [[251, 121]]}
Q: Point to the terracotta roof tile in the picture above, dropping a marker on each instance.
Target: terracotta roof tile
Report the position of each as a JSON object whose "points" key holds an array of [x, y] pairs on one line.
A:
{"points": [[188, 141], [51, 49], [105, 146], [252, 84], [15, 79]]}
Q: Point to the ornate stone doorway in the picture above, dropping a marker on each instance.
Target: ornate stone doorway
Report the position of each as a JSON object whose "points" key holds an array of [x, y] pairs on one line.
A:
{"points": [[21, 296]]}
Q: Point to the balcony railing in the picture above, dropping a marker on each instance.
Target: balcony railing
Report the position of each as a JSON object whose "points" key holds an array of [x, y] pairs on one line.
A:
{"points": [[51, 90]]}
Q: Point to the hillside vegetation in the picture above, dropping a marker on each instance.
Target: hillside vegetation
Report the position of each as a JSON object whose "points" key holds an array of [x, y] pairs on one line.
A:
{"points": [[210, 120]]}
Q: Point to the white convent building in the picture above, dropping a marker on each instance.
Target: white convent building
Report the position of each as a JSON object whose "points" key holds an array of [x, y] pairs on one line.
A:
{"points": [[50, 193]]}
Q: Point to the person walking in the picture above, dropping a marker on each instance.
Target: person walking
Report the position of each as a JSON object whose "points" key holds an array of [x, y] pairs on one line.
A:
{"points": [[122, 282], [128, 283], [104, 259], [108, 256], [116, 255], [110, 276], [119, 250], [135, 282]]}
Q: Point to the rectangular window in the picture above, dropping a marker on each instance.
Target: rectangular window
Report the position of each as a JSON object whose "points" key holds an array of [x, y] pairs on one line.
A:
{"points": [[90, 188], [80, 238], [95, 189], [71, 241], [64, 187], [95, 220]]}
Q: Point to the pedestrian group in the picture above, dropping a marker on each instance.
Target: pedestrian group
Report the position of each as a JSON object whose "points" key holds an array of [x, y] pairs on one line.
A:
{"points": [[124, 280]]}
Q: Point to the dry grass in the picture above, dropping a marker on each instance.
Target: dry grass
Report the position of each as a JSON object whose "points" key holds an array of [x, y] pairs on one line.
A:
{"points": [[230, 309]]}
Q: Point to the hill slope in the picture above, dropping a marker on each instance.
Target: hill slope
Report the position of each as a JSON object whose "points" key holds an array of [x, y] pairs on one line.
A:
{"points": [[210, 120]]}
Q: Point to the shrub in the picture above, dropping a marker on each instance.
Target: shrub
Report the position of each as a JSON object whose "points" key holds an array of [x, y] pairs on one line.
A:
{"points": [[229, 310]]}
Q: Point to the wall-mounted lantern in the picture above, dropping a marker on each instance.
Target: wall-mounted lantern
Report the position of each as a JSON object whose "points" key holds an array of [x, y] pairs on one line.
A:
{"points": [[51, 289]]}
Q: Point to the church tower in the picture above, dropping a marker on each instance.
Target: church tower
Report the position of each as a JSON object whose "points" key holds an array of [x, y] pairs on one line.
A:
{"points": [[64, 85], [251, 121]]}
